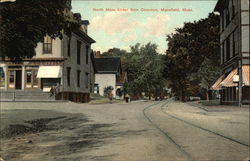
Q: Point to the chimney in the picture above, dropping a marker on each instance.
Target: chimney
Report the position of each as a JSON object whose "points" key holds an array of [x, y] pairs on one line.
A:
{"points": [[84, 26], [77, 16], [97, 54]]}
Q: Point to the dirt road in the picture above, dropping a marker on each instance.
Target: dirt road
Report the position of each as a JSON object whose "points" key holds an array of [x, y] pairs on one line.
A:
{"points": [[138, 131]]}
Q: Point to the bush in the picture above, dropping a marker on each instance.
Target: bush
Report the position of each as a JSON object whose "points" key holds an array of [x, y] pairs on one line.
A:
{"points": [[210, 102], [107, 90]]}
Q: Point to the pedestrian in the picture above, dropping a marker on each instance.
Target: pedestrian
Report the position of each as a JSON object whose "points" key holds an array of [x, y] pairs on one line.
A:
{"points": [[110, 95], [127, 98], [52, 91]]}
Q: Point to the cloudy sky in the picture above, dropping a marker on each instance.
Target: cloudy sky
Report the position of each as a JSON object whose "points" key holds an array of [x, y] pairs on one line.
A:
{"points": [[124, 23]]}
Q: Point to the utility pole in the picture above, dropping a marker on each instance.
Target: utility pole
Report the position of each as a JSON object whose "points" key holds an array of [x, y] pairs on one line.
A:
{"points": [[240, 82], [240, 58]]}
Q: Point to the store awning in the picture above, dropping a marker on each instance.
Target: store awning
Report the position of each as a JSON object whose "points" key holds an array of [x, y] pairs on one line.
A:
{"points": [[228, 81], [246, 75], [216, 85], [49, 72]]}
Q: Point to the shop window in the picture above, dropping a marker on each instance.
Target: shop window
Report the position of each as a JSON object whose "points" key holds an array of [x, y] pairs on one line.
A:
{"points": [[47, 45], [12, 74], [35, 79], [28, 76], [12, 77], [31, 79], [2, 78]]}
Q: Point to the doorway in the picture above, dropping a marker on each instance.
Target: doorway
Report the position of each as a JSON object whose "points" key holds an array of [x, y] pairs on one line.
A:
{"points": [[18, 83]]}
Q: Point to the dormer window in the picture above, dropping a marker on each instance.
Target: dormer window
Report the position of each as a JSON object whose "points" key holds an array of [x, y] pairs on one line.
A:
{"points": [[47, 45]]}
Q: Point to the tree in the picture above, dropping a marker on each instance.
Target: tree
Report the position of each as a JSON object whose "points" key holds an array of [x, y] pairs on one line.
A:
{"points": [[192, 51], [146, 70], [24, 23], [144, 67]]}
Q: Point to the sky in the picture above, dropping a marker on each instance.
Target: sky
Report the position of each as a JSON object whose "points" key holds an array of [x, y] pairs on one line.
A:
{"points": [[122, 24]]}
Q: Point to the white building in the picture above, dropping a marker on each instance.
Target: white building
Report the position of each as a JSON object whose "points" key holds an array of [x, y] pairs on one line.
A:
{"points": [[65, 63], [109, 73]]}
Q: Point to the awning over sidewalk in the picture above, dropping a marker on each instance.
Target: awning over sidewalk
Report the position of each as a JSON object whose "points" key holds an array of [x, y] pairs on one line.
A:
{"points": [[216, 85], [228, 80], [49, 72], [246, 75]]}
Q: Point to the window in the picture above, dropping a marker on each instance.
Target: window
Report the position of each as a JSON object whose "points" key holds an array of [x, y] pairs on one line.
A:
{"points": [[31, 79], [222, 22], [233, 45], [228, 48], [2, 77], [68, 75], [236, 41], [222, 53], [233, 9], [87, 54], [78, 52], [87, 80], [227, 17], [35, 79], [47, 45], [78, 78], [28, 76], [96, 88], [12, 76], [69, 41]]}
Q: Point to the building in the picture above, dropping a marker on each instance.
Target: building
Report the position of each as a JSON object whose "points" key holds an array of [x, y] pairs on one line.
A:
{"points": [[63, 63], [109, 74], [234, 84]]}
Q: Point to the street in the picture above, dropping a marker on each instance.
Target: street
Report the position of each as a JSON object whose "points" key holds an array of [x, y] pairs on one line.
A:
{"points": [[137, 131]]}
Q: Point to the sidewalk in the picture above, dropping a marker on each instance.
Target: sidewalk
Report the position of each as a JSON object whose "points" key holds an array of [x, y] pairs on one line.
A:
{"points": [[217, 107]]}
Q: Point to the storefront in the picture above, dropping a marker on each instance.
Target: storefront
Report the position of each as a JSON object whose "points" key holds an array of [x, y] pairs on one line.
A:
{"points": [[2, 76], [50, 76], [228, 86], [21, 78]]}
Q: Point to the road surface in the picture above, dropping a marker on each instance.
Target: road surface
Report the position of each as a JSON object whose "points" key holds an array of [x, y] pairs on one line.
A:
{"points": [[137, 131]]}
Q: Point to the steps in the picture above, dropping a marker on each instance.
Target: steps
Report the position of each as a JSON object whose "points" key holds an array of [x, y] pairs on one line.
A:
{"points": [[25, 96]]}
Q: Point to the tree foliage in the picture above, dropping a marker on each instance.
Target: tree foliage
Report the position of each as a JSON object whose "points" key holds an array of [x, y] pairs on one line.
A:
{"points": [[193, 56], [24, 23], [144, 67]]}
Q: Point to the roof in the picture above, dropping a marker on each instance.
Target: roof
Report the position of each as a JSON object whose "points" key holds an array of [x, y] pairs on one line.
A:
{"points": [[107, 64], [85, 22], [84, 36], [219, 5]]}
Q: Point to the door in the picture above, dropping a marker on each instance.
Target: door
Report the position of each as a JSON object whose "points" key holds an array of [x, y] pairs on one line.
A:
{"points": [[18, 83]]}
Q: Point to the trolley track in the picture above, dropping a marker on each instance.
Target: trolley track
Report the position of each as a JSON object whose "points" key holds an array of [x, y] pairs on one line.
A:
{"points": [[199, 127], [189, 157]]}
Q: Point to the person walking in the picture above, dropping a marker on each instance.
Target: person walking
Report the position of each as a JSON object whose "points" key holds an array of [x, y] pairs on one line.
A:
{"points": [[127, 98], [110, 96]]}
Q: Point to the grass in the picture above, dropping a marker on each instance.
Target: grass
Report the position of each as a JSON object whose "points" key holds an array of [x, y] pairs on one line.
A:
{"points": [[210, 102], [105, 101]]}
